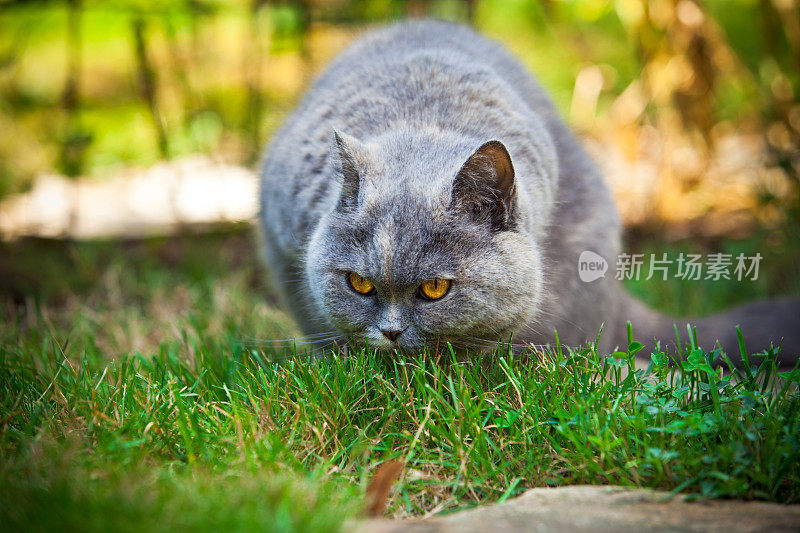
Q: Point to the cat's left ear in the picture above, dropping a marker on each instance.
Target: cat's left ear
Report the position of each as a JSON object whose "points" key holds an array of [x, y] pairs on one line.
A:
{"points": [[485, 188], [345, 150]]}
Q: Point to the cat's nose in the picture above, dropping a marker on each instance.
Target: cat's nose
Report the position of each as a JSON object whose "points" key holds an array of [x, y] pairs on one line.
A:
{"points": [[391, 334]]}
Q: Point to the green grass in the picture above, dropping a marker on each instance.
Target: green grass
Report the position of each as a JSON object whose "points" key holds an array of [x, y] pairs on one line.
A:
{"points": [[132, 397]]}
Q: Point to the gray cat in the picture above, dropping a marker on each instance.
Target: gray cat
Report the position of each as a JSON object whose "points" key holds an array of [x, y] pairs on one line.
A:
{"points": [[426, 192]]}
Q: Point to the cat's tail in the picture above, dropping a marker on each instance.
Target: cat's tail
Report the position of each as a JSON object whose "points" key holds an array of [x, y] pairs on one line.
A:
{"points": [[763, 324]]}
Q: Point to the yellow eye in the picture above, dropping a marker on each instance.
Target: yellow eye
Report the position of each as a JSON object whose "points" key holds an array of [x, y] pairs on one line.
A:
{"points": [[433, 289], [359, 284]]}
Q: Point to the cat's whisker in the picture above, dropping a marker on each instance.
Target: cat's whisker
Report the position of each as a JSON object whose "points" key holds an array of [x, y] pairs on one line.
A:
{"points": [[331, 343], [299, 337], [312, 335], [488, 343], [559, 316], [307, 339], [285, 341]]}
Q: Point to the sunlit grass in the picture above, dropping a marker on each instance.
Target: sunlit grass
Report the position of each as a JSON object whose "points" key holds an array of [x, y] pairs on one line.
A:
{"points": [[203, 427], [188, 439]]}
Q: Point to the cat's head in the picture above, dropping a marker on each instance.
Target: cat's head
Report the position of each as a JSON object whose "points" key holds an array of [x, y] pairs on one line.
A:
{"points": [[424, 244]]}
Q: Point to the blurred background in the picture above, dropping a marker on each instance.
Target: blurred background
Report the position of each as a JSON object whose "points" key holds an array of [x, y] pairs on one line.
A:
{"points": [[130, 131]]}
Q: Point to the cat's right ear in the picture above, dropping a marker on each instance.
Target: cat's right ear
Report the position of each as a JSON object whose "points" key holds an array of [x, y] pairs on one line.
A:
{"points": [[343, 153], [485, 187]]}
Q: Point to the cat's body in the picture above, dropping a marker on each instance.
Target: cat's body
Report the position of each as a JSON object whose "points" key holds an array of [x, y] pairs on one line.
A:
{"points": [[412, 189]]}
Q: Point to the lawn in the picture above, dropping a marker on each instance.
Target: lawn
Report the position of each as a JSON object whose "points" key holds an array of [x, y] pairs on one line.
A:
{"points": [[140, 388], [150, 384]]}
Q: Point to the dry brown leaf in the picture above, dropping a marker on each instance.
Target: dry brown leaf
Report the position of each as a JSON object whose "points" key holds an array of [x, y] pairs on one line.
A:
{"points": [[380, 485]]}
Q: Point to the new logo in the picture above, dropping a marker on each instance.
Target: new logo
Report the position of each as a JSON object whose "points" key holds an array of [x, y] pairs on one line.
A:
{"points": [[591, 266]]}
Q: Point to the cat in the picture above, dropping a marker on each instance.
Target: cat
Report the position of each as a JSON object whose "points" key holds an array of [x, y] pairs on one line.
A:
{"points": [[426, 192]]}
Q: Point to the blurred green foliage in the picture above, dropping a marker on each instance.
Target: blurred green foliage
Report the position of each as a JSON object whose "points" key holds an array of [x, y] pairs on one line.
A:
{"points": [[222, 74]]}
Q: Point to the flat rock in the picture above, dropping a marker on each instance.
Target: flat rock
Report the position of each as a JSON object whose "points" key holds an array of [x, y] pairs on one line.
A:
{"points": [[596, 509], [160, 200]]}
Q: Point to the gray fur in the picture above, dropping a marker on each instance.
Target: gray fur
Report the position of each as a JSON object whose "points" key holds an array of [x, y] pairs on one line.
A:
{"points": [[368, 175]]}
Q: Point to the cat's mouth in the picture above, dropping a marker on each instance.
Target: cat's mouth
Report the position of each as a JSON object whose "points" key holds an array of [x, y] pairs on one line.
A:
{"points": [[413, 342], [382, 344]]}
